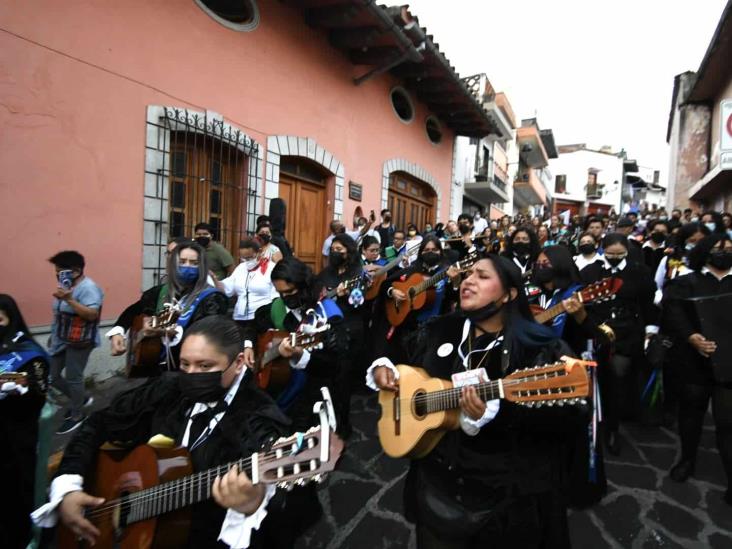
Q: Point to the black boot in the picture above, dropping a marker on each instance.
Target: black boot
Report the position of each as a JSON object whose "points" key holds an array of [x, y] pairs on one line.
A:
{"points": [[682, 470]]}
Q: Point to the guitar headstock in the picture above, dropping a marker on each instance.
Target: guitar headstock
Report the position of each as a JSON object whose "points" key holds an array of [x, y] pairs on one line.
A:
{"points": [[601, 291], [169, 316], [19, 378], [468, 261], [297, 459], [309, 341], [559, 383]]}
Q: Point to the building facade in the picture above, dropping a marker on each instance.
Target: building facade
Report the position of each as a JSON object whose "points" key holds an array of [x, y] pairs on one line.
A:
{"points": [[699, 131], [533, 184], [126, 124]]}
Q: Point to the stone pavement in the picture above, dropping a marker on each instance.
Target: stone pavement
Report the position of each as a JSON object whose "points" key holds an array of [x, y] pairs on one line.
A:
{"points": [[362, 500]]}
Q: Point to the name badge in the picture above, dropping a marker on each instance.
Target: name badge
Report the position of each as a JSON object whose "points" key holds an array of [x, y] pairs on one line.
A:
{"points": [[470, 377]]}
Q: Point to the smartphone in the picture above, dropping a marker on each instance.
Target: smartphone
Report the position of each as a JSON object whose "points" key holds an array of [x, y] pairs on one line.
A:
{"points": [[66, 279]]}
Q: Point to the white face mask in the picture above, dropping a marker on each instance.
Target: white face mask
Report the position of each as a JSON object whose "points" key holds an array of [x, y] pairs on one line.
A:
{"points": [[250, 264], [711, 226]]}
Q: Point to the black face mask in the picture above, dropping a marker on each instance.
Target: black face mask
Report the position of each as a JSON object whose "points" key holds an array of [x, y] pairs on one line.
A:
{"points": [[464, 228], [658, 238], [430, 258], [265, 238], [336, 259], [720, 260], [201, 387], [587, 249], [204, 241], [522, 248], [293, 301], [4, 330], [484, 312], [614, 261], [542, 275]]}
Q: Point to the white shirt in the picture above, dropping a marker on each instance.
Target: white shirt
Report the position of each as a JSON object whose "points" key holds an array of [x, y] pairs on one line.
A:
{"points": [[236, 530], [582, 262], [253, 289], [479, 225], [705, 270], [355, 235]]}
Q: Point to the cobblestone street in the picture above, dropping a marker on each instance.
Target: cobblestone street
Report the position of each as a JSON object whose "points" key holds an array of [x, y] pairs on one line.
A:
{"points": [[362, 500]]}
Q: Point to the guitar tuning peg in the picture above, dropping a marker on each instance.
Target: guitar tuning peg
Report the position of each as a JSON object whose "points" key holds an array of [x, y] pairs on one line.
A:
{"points": [[300, 482], [583, 401], [550, 403], [560, 402]]}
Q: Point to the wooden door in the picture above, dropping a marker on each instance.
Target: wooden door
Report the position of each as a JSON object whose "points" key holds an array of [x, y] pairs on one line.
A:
{"points": [[411, 201], [305, 218]]}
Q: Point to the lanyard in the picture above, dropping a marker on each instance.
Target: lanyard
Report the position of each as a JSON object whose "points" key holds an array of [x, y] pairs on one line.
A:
{"points": [[466, 333]]}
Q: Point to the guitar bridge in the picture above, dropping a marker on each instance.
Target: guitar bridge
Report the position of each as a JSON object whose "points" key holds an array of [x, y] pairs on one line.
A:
{"points": [[397, 414]]}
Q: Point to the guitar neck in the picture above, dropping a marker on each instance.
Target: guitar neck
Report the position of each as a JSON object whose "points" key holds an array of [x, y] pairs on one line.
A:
{"points": [[428, 283], [555, 310], [449, 399], [182, 492]]}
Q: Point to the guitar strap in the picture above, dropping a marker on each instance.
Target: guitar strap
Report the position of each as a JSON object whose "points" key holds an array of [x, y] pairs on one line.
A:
{"points": [[162, 298], [560, 320], [13, 361]]}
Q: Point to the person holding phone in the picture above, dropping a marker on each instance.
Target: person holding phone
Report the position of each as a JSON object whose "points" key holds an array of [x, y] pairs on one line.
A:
{"points": [[74, 333]]}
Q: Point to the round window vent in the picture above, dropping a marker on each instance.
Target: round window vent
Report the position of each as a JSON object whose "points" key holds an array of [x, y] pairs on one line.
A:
{"points": [[402, 104], [434, 131], [239, 15]]}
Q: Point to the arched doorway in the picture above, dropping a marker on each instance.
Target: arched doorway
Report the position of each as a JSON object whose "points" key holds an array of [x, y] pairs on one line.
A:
{"points": [[411, 201], [303, 187]]}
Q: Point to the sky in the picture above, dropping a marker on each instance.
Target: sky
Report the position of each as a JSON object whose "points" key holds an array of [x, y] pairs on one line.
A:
{"points": [[595, 72]]}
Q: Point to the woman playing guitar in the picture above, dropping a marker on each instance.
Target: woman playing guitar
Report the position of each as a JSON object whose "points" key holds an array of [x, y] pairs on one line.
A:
{"points": [[497, 475], [211, 407]]}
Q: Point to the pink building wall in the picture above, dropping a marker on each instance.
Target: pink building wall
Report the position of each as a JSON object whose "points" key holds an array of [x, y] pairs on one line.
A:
{"points": [[76, 79]]}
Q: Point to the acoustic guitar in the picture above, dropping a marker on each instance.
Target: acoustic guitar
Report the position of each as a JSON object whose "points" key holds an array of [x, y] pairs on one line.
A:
{"points": [[271, 367], [20, 378], [146, 346], [416, 416], [416, 287], [603, 290], [378, 276], [148, 492]]}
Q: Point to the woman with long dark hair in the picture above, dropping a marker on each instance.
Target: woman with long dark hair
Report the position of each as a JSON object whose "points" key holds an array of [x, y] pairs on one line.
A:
{"points": [[701, 379], [522, 248], [633, 318], [20, 408], [494, 481]]}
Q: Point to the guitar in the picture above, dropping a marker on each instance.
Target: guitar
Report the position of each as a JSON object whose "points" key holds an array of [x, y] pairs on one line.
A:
{"points": [[379, 275], [415, 288], [146, 348], [148, 491], [603, 290], [347, 285], [416, 416], [20, 378], [271, 367]]}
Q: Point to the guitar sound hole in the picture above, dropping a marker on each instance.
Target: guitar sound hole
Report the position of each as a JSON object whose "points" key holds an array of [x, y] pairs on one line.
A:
{"points": [[419, 405]]}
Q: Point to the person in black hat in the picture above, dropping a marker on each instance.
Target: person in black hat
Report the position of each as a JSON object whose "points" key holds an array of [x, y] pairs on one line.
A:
{"points": [[625, 226]]}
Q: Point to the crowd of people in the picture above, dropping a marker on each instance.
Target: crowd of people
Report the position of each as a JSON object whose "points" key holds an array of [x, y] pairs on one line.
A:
{"points": [[506, 476]]}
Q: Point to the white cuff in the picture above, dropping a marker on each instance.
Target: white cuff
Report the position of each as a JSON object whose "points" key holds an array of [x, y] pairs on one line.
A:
{"points": [[248, 344], [116, 331], [303, 362], [236, 531], [46, 515], [383, 361], [471, 426], [176, 339], [658, 296], [651, 329]]}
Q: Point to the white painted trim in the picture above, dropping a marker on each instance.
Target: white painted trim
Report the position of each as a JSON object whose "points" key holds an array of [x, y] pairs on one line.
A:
{"points": [[415, 170], [239, 27]]}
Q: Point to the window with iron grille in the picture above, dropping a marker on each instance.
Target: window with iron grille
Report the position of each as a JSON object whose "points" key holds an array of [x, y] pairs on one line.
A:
{"points": [[198, 169]]}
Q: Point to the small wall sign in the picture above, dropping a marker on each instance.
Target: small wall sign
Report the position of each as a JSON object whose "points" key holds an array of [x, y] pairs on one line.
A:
{"points": [[355, 191]]}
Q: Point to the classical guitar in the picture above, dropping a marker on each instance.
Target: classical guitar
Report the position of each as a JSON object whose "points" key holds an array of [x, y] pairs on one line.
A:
{"points": [[146, 346], [148, 492], [378, 276], [416, 287], [271, 367], [417, 415], [603, 290], [20, 378], [348, 285]]}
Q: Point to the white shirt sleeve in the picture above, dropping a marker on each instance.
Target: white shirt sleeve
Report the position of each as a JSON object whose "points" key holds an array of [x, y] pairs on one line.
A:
{"points": [[229, 283], [471, 426], [117, 330], [303, 362], [46, 516], [383, 361], [236, 531]]}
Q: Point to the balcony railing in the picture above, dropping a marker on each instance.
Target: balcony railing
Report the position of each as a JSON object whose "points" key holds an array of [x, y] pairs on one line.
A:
{"points": [[498, 183], [500, 173]]}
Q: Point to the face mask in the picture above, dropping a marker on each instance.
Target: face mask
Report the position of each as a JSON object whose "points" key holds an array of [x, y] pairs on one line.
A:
{"points": [[412, 233], [522, 248], [614, 261], [711, 226], [341, 230], [663, 218], [265, 238], [3, 332], [387, 218], [689, 246], [542, 275], [188, 274], [484, 313], [428, 229], [430, 258], [204, 241], [464, 228], [251, 264], [201, 387], [336, 259], [587, 249], [292, 301], [720, 260], [658, 238]]}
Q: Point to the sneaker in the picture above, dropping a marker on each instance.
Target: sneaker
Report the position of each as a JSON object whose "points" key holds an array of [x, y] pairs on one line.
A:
{"points": [[87, 403], [69, 425]]}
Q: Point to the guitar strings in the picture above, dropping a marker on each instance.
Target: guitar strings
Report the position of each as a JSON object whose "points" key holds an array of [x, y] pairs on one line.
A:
{"points": [[159, 492]]}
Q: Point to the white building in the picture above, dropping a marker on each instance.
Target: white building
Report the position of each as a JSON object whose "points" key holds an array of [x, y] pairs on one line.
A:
{"points": [[586, 181]]}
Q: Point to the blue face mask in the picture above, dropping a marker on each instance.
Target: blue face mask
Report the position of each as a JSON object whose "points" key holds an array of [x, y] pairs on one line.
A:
{"points": [[187, 274]]}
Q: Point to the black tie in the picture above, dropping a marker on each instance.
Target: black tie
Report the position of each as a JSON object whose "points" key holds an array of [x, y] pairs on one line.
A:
{"points": [[200, 421]]}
